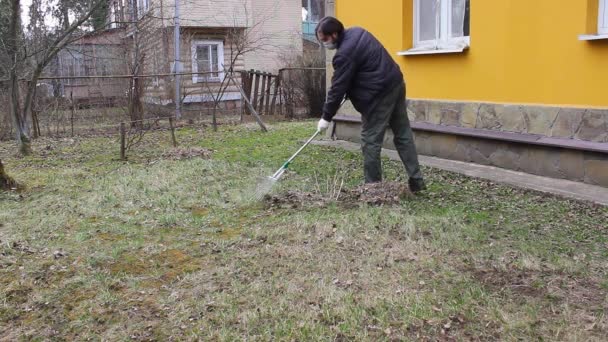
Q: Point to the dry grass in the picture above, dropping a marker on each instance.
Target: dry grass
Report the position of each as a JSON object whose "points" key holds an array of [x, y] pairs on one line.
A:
{"points": [[170, 246]]}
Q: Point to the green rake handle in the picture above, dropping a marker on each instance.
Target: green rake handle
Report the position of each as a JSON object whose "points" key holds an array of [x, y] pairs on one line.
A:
{"points": [[281, 170]]}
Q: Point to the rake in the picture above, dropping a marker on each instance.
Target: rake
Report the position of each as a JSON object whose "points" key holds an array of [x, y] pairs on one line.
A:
{"points": [[266, 185]]}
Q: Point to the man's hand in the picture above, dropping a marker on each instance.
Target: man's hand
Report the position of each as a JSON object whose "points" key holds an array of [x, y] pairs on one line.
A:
{"points": [[322, 125]]}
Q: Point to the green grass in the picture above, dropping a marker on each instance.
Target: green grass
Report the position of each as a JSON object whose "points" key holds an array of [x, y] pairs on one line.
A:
{"points": [[157, 248]]}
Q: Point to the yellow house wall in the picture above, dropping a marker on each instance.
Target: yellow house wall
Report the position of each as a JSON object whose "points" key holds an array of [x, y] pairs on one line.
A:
{"points": [[522, 51]]}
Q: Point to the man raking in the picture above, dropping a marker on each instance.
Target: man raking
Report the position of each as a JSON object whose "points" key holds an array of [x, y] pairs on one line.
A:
{"points": [[367, 75]]}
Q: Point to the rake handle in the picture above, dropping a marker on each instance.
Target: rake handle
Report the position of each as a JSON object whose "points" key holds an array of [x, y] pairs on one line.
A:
{"points": [[286, 164]]}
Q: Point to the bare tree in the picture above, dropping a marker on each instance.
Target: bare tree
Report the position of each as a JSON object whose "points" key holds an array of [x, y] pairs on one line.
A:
{"points": [[14, 55], [303, 83], [27, 61], [242, 41], [136, 86]]}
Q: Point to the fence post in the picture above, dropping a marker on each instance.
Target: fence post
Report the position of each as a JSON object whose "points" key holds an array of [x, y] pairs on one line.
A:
{"points": [[260, 107], [73, 112], [122, 141], [267, 90], [277, 84], [256, 75], [35, 124], [244, 86], [172, 132]]}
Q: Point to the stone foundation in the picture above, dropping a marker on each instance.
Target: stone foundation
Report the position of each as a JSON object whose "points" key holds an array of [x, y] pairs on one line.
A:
{"points": [[577, 148], [572, 123]]}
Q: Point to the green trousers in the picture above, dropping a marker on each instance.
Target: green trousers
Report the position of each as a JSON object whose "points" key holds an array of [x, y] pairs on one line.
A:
{"points": [[391, 111]]}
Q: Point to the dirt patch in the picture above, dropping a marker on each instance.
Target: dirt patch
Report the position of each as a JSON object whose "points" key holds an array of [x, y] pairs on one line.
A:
{"points": [[175, 263], [180, 153], [17, 294], [130, 264], [294, 199], [579, 300], [384, 193], [448, 329], [109, 237], [199, 211], [582, 293], [226, 233], [170, 264], [524, 283], [53, 273]]}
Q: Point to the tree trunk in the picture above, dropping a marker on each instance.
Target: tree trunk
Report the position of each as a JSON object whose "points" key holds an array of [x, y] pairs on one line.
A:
{"points": [[13, 48], [21, 111], [216, 100], [31, 92], [65, 16], [136, 110], [19, 123], [6, 182]]}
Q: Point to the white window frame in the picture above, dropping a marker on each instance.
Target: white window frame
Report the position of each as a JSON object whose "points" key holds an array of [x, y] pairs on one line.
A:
{"points": [[112, 16], [113, 21], [602, 20], [220, 60], [445, 23]]}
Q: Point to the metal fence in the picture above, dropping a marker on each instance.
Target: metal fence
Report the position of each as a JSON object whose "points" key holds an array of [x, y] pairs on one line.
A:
{"points": [[84, 105], [81, 105]]}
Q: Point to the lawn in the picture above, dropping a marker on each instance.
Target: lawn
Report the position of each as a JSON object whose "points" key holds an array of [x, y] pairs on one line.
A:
{"points": [[171, 245]]}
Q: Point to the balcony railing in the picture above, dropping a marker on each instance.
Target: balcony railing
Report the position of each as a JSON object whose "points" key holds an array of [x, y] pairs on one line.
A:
{"points": [[308, 30]]}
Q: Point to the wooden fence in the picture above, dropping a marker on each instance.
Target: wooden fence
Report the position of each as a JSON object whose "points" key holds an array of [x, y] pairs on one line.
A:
{"points": [[262, 89]]}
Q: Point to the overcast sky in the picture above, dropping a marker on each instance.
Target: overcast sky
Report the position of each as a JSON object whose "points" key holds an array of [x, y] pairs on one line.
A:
{"points": [[25, 13]]}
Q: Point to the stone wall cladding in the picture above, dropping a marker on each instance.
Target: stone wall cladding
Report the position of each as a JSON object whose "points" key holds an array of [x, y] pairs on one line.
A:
{"points": [[571, 123], [581, 166]]}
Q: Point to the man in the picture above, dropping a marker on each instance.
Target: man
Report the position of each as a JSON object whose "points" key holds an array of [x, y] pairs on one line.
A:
{"points": [[366, 74]]}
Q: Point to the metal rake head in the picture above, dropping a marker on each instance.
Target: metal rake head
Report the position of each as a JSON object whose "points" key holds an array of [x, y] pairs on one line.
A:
{"points": [[264, 187]]}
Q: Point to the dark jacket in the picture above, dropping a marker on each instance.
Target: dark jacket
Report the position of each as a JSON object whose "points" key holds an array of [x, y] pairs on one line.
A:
{"points": [[363, 71]]}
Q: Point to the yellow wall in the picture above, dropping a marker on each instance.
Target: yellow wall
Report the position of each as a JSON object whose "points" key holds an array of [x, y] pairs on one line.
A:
{"points": [[521, 51]]}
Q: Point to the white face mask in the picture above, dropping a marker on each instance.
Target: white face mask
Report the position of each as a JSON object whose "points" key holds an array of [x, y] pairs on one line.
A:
{"points": [[330, 45]]}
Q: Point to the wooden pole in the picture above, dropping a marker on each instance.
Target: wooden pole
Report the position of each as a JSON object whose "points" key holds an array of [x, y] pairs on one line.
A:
{"points": [[73, 112], [35, 124], [281, 101], [277, 84], [260, 106], [249, 84], [255, 114], [244, 85], [172, 132], [123, 134], [267, 105], [255, 90]]}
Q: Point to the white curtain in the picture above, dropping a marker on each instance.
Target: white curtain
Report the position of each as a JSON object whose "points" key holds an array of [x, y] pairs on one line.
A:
{"points": [[430, 14], [458, 12]]}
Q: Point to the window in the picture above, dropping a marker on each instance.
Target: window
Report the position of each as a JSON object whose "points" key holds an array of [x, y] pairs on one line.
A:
{"points": [[313, 10], [208, 58], [602, 23], [441, 24], [116, 14], [113, 15], [156, 79], [142, 7], [71, 63]]}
